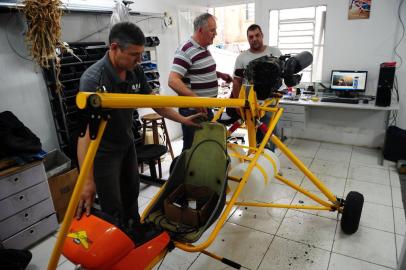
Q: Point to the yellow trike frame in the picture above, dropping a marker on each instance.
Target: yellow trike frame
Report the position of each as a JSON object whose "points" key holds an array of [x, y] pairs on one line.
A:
{"points": [[250, 111]]}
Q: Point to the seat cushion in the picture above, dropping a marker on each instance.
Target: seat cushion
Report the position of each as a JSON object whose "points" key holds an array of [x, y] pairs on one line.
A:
{"points": [[151, 151]]}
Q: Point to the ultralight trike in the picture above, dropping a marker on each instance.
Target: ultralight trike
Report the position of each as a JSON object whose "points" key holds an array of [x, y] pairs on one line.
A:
{"points": [[194, 196]]}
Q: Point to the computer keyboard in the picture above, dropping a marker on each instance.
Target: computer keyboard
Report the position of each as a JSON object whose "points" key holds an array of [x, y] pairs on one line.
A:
{"points": [[340, 100]]}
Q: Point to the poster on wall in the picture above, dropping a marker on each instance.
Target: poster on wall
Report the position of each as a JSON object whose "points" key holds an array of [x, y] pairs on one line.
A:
{"points": [[359, 9]]}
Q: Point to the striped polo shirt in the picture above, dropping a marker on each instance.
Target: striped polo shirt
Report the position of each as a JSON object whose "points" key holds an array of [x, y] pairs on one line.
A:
{"points": [[197, 67]]}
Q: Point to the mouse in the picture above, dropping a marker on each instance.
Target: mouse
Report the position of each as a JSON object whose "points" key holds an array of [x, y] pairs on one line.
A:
{"points": [[365, 101]]}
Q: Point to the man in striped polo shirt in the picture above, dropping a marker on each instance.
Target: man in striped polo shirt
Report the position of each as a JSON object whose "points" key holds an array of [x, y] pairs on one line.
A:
{"points": [[194, 72]]}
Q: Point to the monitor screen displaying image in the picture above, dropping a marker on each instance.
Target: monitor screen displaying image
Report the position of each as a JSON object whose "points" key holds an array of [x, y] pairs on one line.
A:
{"points": [[348, 80]]}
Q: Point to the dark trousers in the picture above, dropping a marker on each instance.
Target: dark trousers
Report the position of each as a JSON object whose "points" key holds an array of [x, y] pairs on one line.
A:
{"points": [[189, 132], [260, 136], [118, 184]]}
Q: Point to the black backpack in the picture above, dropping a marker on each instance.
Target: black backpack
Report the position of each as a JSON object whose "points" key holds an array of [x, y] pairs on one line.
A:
{"points": [[13, 259], [15, 138]]}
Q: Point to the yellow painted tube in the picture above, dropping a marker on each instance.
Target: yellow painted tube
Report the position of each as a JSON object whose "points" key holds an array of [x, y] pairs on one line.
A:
{"points": [[320, 185], [87, 162], [243, 146], [250, 123], [268, 109], [278, 205], [125, 101], [233, 178], [218, 115], [152, 202], [304, 191]]}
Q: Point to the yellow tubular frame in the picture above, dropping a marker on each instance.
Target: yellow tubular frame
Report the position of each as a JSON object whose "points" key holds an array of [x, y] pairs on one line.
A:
{"points": [[70, 212], [250, 112]]}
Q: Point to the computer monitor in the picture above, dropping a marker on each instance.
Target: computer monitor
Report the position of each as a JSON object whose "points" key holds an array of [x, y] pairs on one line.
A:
{"points": [[348, 82]]}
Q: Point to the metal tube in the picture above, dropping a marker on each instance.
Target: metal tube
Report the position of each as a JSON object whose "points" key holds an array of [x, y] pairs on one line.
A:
{"points": [[278, 205], [125, 101], [304, 191], [320, 185], [87, 162]]}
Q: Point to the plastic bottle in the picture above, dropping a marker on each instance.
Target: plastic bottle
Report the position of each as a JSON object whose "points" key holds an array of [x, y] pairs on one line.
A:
{"points": [[257, 180], [355, 82], [290, 91]]}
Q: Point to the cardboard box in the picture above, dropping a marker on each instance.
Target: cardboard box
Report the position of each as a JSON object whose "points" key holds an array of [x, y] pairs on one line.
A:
{"points": [[61, 187], [56, 162], [190, 205]]}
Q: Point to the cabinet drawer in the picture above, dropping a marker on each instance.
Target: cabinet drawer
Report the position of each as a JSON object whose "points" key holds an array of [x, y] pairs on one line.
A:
{"points": [[26, 198], [32, 234], [295, 124], [284, 124], [293, 108], [25, 218], [16, 182], [293, 117]]}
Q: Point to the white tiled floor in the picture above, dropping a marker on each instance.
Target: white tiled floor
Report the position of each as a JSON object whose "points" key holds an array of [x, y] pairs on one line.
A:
{"points": [[265, 238]]}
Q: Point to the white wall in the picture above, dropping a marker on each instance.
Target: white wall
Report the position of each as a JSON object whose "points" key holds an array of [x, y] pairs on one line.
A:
{"points": [[402, 71], [353, 44], [349, 44], [22, 87]]}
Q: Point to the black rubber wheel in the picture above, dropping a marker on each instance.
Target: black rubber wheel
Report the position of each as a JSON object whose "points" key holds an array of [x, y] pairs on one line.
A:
{"points": [[352, 212]]}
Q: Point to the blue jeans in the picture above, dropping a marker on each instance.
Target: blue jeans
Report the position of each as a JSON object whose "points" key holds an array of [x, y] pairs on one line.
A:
{"points": [[189, 132]]}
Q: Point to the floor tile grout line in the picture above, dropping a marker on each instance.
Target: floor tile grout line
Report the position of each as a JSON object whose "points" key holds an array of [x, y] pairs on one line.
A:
{"points": [[254, 229], [332, 246], [338, 219], [390, 185], [280, 224], [394, 220], [364, 181], [223, 225], [363, 260], [303, 243], [198, 255]]}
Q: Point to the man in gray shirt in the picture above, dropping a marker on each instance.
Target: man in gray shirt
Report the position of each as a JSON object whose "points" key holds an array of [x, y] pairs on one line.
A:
{"points": [[114, 174], [257, 49]]}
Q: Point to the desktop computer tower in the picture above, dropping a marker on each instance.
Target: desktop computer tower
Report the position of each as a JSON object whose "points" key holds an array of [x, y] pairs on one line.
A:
{"points": [[385, 84]]}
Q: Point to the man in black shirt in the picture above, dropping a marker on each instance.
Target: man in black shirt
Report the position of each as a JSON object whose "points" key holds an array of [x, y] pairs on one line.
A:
{"points": [[114, 175]]}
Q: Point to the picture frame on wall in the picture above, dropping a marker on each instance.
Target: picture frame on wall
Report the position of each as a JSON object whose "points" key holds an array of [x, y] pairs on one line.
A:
{"points": [[359, 9]]}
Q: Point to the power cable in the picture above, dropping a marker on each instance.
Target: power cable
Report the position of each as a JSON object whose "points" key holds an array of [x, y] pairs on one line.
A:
{"points": [[108, 25], [403, 33], [9, 42], [153, 17], [94, 33]]}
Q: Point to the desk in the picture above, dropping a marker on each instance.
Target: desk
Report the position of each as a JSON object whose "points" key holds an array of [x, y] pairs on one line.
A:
{"points": [[354, 124]]}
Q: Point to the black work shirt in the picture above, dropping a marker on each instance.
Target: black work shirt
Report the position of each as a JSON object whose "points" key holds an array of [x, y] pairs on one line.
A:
{"points": [[118, 134]]}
